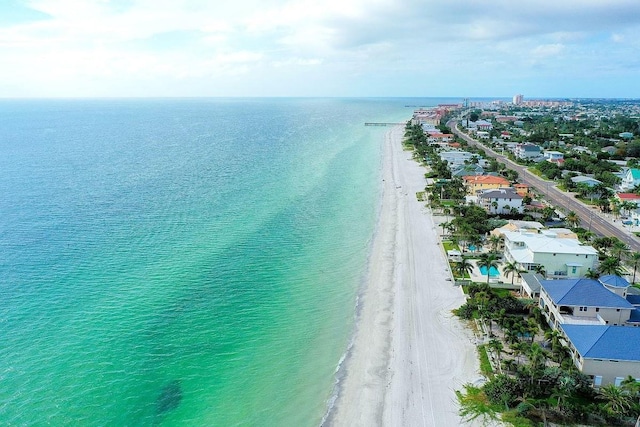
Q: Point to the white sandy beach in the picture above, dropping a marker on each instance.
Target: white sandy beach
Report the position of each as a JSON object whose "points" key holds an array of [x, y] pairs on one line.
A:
{"points": [[409, 354]]}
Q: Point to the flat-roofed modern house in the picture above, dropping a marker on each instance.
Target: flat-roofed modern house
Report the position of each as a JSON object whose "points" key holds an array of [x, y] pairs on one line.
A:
{"points": [[608, 354], [560, 257]]}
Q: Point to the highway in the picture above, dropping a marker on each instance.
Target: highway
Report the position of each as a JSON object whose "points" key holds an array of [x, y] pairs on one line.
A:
{"points": [[590, 217]]}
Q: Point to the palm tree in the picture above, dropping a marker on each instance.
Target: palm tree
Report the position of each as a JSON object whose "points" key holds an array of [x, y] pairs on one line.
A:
{"points": [[635, 259], [563, 391], [495, 345], [537, 360], [463, 267], [572, 219], [592, 274], [511, 268], [628, 206], [610, 265], [488, 261], [618, 400], [445, 225], [632, 386], [618, 249], [494, 242], [539, 269]]}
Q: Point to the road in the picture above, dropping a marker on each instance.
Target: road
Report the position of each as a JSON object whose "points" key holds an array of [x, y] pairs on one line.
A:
{"points": [[590, 217]]}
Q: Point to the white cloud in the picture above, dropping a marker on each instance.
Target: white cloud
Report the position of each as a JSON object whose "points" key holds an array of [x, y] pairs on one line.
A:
{"points": [[123, 43], [548, 50]]}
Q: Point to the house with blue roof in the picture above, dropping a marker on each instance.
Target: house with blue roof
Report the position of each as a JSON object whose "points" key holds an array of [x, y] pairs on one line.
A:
{"points": [[608, 354], [587, 302]]}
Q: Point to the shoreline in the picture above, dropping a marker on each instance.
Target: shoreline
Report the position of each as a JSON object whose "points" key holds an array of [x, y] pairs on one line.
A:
{"points": [[408, 353]]}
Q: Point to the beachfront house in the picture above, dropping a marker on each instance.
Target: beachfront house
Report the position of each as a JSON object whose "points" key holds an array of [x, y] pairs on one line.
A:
{"points": [[596, 319], [474, 184], [470, 169], [456, 158], [500, 200], [530, 285], [559, 257], [607, 354], [587, 302]]}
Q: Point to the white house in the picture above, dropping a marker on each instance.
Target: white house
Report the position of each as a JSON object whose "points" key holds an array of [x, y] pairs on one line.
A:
{"points": [[630, 180], [456, 158], [527, 151], [554, 157], [559, 257]]}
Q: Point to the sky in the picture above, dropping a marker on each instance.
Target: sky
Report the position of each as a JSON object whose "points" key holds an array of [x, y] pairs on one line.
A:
{"points": [[334, 48]]}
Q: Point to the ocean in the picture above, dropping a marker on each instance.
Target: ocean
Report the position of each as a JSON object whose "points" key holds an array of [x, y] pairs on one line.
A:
{"points": [[183, 261]]}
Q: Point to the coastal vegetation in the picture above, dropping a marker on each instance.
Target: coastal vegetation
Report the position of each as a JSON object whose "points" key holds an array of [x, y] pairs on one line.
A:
{"points": [[531, 378]]}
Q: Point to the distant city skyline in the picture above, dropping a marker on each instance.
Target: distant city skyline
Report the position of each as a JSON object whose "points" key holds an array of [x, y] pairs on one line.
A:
{"points": [[346, 48]]}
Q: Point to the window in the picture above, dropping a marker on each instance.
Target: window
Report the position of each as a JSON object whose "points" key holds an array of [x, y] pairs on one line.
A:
{"points": [[619, 381], [597, 381], [573, 270], [597, 309]]}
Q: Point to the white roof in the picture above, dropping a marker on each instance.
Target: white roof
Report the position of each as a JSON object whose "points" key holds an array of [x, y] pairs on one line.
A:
{"points": [[541, 243]]}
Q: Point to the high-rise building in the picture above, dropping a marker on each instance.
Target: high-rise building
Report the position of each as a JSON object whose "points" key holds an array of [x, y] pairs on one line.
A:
{"points": [[517, 99]]}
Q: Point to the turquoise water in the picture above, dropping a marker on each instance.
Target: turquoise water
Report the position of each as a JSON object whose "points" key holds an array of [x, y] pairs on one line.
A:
{"points": [[493, 272], [182, 262]]}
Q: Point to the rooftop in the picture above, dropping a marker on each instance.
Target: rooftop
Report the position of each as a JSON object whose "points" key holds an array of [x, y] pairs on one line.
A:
{"points": [[604, 342], [500, 193], [583, 292], [486, 179], [548, 243], [613, 280], [628, 196]]}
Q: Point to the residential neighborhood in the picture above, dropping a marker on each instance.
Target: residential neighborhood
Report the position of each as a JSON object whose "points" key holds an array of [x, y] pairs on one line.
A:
{"points": [[504, 239]]}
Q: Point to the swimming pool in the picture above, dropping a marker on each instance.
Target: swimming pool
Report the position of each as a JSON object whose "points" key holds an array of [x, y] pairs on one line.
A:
{"points": [[493, 272]]}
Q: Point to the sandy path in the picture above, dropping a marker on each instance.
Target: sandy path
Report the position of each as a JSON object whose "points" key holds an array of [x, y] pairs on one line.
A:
{"points": [[409, 353]]}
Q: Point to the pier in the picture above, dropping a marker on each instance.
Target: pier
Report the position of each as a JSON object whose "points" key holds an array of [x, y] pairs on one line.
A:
{"points": [[382, 124]]}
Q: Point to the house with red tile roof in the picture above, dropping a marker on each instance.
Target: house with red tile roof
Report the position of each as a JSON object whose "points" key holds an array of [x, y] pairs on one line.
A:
{"points": [[484, 182]]}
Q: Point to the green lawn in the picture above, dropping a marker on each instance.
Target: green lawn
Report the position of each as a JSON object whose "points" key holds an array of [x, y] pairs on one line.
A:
{"points": [[485, 365], [450, 246]]}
